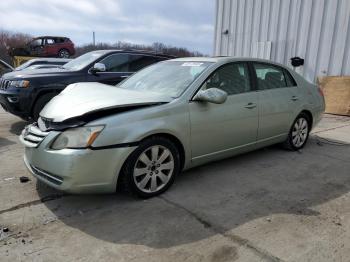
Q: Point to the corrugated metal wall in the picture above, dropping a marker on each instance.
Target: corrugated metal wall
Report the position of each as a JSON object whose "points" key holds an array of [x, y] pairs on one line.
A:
{"points": [[316, 30]]}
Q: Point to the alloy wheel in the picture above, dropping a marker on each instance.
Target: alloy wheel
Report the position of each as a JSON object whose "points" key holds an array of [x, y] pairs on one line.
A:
{"points": [[64, 54], [300, 132], [153, 169]]}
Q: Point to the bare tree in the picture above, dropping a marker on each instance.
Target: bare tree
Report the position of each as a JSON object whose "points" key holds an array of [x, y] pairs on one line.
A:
{"points": [[155, 47], [9, 40]]}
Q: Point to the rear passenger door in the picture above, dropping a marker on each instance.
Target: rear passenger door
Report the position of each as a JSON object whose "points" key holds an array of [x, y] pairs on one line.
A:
{"points": [[278, 100]]}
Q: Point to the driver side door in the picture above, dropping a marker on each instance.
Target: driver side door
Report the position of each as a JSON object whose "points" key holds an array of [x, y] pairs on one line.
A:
{"points": [[36, 47], [117, 69], [222, 130]]}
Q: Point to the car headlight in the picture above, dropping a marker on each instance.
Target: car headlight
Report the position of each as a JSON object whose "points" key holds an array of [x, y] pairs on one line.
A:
{"points": [[77, 138], [20, 83]]}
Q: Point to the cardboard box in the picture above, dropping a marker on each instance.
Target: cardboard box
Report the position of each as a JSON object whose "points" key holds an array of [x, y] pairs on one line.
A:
{"points": [[336, 91]]}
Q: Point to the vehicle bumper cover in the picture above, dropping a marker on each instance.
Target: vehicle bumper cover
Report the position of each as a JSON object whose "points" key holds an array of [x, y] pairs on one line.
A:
{"points": [[77, 170], [13, 101]]}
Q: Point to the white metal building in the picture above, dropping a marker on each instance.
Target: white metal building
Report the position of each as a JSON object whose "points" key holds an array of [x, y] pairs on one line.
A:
{"points": [[315, 30]]}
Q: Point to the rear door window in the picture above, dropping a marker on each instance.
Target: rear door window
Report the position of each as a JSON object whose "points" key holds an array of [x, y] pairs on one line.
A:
{"points": [[289, 79], [269, 76], [116, 63], [138, 62], [50, 41]]}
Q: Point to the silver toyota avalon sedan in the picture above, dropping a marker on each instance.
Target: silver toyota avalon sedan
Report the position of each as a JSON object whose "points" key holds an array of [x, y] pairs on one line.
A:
{"points": [[168, 117]]}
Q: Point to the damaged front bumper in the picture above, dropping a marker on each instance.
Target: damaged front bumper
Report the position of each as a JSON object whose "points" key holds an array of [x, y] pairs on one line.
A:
{"points": [[75, 170]]}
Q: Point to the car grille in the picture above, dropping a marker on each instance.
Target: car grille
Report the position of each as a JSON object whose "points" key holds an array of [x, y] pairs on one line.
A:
{"points": [[57, 180], [32, 136], [4, 84]]}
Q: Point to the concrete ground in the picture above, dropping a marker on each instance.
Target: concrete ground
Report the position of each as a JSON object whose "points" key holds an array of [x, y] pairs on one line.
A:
{"points": [[268, 205]]}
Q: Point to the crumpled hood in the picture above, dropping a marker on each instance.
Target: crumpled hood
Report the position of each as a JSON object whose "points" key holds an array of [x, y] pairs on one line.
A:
{"points": [[83, 98]]}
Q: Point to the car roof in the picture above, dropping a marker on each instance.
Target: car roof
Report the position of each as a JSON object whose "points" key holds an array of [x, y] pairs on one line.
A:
{"points": [[226, 59], [50, 36], [49, 59], [135, 51]]}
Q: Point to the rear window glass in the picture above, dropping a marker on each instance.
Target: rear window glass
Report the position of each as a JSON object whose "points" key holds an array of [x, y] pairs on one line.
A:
{"points": [[289, 79]]}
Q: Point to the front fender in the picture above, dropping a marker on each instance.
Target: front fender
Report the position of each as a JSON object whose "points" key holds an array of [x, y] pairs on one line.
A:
{"points": [[138, 124]]}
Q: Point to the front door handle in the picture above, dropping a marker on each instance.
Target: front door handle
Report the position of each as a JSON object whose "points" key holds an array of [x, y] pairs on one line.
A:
{"points": [[124, 76], [294, 98], [250, 105]]}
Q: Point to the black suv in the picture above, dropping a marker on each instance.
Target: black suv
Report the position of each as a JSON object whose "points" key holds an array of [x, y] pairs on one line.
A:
{"points": [[5, 67], [25, 93]]}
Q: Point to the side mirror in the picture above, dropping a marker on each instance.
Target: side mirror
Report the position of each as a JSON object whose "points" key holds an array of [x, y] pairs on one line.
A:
{"points": [[211, 95], [98, 67]]}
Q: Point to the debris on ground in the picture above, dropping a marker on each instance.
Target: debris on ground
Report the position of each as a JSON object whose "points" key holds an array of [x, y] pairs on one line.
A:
{"points": [[49, 220], [24, 179], [337, 221], [9, 178], [5, 229]]}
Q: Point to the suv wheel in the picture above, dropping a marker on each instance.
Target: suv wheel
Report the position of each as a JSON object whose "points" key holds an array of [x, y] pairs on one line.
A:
{"points": [[40, 103], [63, 53], [151, 168], [299, 133]]}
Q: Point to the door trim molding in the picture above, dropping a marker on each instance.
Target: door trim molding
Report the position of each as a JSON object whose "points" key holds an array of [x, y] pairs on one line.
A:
{"points": [[223, 151]]}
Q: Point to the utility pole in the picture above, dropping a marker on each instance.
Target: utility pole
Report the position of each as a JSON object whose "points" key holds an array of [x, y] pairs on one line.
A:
{"points": [[93, 38]]}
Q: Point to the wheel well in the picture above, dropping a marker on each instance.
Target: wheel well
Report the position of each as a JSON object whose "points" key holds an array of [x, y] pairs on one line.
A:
{"points": [[63, 49], [170, 137], [39, 96], [308, 113], [177, 143]]}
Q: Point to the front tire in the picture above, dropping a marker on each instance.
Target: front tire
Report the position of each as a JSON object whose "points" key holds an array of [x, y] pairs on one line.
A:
{"points": [[299, 133], [151, 169]]}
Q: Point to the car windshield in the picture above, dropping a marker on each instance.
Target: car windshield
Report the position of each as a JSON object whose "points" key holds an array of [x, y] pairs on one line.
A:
{"points": [[170, 77], [83, 60]]}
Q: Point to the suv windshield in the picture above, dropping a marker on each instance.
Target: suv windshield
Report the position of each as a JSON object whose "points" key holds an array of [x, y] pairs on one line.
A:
{"points": [[169, 77], [83, 60]]}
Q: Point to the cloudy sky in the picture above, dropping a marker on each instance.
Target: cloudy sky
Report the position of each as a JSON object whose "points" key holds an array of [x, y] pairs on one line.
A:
{"points": [[188, 23]]}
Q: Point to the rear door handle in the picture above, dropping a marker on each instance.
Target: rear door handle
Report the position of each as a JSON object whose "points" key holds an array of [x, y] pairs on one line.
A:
{"points": [[295, 98], [250, 105], [124, 76]]}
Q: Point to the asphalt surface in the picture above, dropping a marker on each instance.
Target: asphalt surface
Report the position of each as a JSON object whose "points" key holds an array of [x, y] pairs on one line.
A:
{"points": [[268, 205]]}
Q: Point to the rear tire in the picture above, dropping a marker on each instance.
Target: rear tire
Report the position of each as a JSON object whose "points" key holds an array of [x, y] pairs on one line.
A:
{"points": [[63, 53], [151, 169], [299, 133], [40, 103]]}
